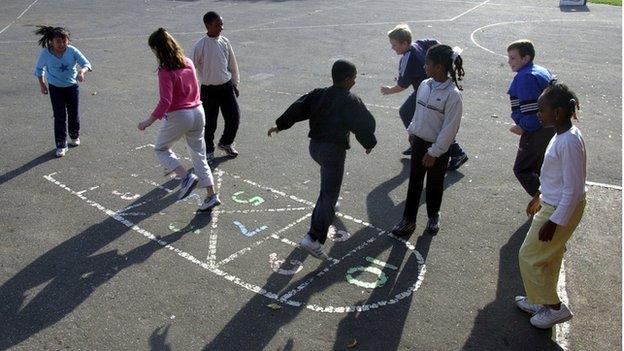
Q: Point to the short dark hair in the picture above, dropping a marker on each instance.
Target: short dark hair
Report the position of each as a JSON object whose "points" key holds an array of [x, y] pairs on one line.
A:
{"points": [[341, 70], [211, 16], [48, 33], [559, 95], [524, 47]]}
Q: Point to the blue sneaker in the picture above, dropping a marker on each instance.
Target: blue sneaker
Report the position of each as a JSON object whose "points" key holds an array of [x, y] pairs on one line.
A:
{"points": [[456, 162]]}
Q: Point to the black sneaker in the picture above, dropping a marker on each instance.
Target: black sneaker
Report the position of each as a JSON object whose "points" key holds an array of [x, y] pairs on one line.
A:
{"points": [[456, 162], [433, 225], [188, 184], [407, 151], [404, 228], [229, 149]]}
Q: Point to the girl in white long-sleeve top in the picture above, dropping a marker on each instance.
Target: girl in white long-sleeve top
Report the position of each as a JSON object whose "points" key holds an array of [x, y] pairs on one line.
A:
{"points": [[431, 133], [556, 209]]}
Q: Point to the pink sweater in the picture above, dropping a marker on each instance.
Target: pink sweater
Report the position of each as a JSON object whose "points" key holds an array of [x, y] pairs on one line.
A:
{"points": [[178, 89]]}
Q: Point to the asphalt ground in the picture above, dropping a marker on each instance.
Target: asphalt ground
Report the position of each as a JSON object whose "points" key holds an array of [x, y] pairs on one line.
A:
{"points": [[97, 254]]}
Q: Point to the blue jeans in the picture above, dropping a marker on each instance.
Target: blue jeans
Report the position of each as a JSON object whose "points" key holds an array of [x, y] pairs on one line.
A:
{"points": [[331, 158], [66, 113]]}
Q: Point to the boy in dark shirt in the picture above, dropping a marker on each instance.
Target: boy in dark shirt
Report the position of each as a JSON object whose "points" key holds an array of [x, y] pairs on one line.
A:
{"points": [[334, 112], [412, 72]]}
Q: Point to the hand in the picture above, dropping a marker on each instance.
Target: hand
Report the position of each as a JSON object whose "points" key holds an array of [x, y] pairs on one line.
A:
{"points": [[81, 76], [547, 231], [272, 130], [428, 161], [368, 151], [144, 124], [534, 206], [516, 130], [385, 90], [236, 92], [44, 89]]}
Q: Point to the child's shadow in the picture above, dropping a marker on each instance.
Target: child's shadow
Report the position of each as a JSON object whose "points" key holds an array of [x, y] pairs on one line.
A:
{"points": [[73, 270], [27, 167]]}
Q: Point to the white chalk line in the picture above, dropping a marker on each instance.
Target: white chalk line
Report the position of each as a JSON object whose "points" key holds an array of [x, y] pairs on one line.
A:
{"points": [[474, 41], [468, 11], [212, 238], [18, 17], [562, 330], [286, 209], [251, 287]]}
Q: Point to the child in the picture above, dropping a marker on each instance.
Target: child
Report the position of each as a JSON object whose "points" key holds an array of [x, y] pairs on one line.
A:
{"points": [[557, 209], [333, 112], [411, 72], [526, 87], [431, 133], [57, 63], [184, 117], [218, 73]]}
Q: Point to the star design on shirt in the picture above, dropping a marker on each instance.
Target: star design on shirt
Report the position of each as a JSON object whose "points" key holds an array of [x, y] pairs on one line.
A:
{"points": [[64, 68]]}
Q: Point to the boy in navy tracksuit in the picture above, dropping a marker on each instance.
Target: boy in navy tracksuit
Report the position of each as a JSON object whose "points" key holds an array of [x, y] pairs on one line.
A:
{"points": [[334, 112], [526, 87], [411, 72]]}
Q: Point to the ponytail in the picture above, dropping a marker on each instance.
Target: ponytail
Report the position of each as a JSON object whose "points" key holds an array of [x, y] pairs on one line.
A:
{"points": [[168, 51], [48, 33], [450, 59], [559, 95]]}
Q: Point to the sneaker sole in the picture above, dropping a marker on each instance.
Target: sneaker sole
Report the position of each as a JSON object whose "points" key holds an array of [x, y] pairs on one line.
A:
{"points": [[184, 194], [527, 310], [226, 151], [208, 208], [313, 253], [558, 321]]}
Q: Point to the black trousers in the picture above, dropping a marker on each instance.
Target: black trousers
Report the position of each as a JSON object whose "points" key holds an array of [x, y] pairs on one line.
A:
{"points": [[435, 181], [331, 158], [66, 113], [215, 97], [530, 157]]}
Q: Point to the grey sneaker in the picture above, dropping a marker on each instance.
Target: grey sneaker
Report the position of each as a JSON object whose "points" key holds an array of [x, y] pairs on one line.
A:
{"points": [[433, 225], [523, 303], [61, 151], [456, 162], [313, 247], [229, 149], [74, 142], [210, 202], [547, 317], [187, 185]]}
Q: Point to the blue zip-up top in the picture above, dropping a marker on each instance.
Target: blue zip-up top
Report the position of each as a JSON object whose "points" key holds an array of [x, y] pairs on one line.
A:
{"points": [[524, 90], [60, 71]]}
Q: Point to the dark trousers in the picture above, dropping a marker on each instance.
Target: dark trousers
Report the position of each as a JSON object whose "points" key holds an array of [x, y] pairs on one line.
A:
{"points": [[530, 157], [215, 97], [331, 158], [435, 181], [406, 112], [66, 114]]}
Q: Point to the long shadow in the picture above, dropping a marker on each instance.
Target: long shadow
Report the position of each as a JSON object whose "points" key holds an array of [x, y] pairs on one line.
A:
{"points": [[158, 339], [27, 167], [255, 325], [582, 8], [501, 325], [69, 273]]}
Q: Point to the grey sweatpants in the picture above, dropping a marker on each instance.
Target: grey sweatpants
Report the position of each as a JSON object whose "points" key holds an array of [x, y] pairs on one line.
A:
{"points": [[188, 123]]}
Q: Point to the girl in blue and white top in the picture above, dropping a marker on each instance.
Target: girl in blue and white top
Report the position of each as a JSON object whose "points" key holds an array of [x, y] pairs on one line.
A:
{"points": [[431, 133], [57, 62], [557, 209]]}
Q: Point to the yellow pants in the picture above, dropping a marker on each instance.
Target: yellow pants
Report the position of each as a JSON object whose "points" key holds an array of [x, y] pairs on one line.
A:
{"points": [[540, 261]]}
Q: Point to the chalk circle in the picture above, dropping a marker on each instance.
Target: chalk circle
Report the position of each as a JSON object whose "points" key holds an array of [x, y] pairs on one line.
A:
{"points": [[389, 300], [380, 280], [126, 196], [337, 235], [277, 265]]}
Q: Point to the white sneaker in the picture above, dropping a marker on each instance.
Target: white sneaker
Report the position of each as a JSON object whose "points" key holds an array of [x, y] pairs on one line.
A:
{"points": [[74, 142], [546, 317], [523, 303], [210, 202], [313, 247], [187, 185], [61, 151]]}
